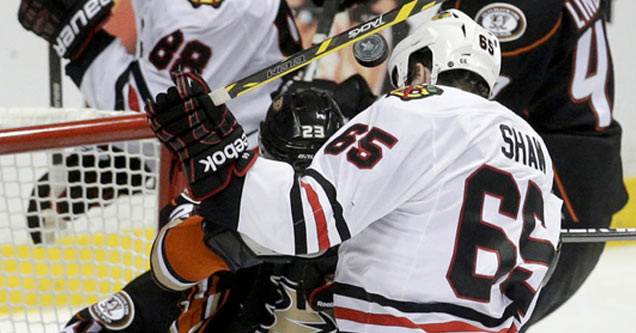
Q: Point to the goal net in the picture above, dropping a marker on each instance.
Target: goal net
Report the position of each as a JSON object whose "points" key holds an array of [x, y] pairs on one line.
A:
{"points": [[79, 202]]}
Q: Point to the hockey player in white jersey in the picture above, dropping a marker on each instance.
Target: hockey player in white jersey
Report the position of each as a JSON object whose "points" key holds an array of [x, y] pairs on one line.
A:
{"points": [[223, 40], [441, 199], [271, 296]]}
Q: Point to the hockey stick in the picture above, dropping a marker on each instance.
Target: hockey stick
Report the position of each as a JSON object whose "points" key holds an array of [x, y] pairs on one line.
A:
{"points": [[55, 78], [56, 168], [597, 235], [330, 45], [329, 11]]}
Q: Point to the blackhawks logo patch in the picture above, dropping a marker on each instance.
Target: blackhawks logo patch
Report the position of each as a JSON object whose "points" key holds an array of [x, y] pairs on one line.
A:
{"points": [[213, 3], [416, 91]]}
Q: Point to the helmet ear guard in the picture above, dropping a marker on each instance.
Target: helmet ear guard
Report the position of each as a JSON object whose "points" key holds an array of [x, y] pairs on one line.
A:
{"points": [[455, 42], [297, 124]]}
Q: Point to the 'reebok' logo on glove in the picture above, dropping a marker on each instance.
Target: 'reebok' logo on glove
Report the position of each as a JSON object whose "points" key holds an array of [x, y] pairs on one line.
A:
{"points": [[229, 153], [210, 144]]}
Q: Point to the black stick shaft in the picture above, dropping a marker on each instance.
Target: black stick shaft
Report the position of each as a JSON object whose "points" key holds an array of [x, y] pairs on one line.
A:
{"points": [[598, 235], [329, 11], [55, 79]]}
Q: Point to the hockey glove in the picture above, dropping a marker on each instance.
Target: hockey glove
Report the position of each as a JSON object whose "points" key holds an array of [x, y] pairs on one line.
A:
{"points": [[353, 95], [207, 139], [67, 24]]}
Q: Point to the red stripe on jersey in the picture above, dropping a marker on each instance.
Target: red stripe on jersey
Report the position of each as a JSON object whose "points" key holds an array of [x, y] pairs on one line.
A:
{"points": [[564, 196], [319, 216], [133, 101], [388, 320]]}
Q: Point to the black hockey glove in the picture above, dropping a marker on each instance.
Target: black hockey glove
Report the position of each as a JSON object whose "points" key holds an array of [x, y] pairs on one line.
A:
{"points": [[67, 24], [207, 139], [354, 95]]}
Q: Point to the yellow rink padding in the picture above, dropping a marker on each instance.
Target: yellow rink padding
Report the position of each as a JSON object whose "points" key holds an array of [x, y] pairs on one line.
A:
{"points": [[626, 218], [75, 271]]}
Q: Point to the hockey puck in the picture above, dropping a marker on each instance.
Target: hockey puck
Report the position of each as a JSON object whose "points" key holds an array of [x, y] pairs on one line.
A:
{"points": [[371, 51]]}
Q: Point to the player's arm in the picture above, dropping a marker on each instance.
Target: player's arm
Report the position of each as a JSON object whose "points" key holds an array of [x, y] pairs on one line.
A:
{"points": [[141, 306], [99, 64], [69, 25], [333, 201]]}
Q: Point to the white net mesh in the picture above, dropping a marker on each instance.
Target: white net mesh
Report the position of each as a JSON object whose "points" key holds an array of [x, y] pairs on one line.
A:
{"points": [[76, 224]]}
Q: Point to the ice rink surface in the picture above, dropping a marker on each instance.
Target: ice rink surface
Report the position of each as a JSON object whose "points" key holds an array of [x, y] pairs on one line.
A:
{"points": [[606, 303]]}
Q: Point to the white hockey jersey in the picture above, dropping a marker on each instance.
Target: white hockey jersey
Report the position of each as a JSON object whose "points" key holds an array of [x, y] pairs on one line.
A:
{"points": [[224, 40], [442, 202]]}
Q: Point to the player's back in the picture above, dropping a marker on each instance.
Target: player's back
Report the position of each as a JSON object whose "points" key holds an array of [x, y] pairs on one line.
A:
{"points": [[474, 227]]}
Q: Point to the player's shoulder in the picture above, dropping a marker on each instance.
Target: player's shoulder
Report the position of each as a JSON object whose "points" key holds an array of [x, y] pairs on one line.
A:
{"points": [[414, 93], [518, 24], [429, 99]]}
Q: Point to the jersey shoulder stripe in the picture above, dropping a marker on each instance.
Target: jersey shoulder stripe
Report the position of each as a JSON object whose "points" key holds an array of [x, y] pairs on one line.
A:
{"points": [[330, 191], [319, 217], [298, 220]]}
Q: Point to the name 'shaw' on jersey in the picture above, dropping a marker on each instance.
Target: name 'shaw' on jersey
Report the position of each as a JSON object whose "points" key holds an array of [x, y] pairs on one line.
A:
{"points": [[522, 148]]}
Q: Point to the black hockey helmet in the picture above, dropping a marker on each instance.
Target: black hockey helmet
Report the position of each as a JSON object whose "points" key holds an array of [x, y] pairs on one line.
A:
{"points": [[296, 126]]}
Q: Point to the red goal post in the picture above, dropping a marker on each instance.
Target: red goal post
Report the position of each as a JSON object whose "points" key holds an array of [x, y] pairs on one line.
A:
{"points": [[87, 132], [74, 183]]}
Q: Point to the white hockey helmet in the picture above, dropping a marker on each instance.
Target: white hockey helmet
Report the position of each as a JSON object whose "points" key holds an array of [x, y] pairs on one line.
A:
{"points": [[456, 42]]}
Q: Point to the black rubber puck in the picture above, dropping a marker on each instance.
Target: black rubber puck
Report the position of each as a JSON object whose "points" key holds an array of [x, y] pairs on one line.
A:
{"points": [[371, 51]]}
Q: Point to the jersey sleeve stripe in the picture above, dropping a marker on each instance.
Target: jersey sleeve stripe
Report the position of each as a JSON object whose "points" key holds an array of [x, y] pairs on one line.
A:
{"points": [[140, 81], [536, 43], [407, 307], [185, 254], [300, 235], [319, 217], [330, 191], [162, 273]]}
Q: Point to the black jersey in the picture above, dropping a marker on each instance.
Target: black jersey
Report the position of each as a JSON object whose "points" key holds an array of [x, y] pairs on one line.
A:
{"points": [[556, 63], [557, 72]]}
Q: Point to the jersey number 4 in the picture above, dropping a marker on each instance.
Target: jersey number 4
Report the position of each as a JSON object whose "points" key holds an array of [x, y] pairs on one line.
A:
{"points": [[475, 234], [368, 152], [591, 85]]}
